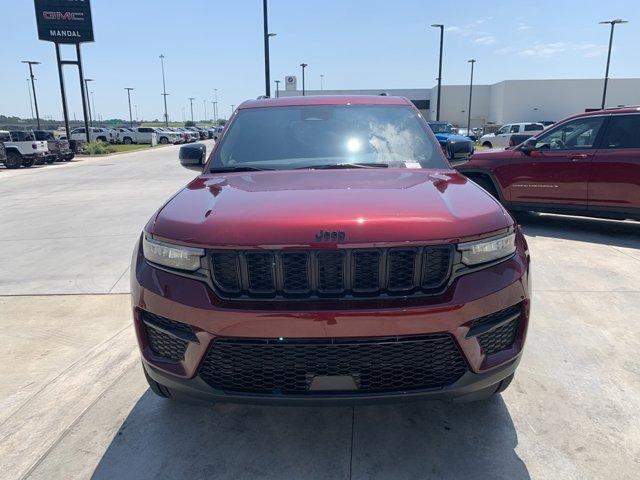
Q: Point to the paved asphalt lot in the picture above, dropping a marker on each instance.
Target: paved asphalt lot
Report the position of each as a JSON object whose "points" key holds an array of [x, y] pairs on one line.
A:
{"points": [[74, 403]]}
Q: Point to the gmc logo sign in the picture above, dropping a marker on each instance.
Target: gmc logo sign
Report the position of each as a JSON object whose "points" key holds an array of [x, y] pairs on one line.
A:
{"points": [[77, 16]]}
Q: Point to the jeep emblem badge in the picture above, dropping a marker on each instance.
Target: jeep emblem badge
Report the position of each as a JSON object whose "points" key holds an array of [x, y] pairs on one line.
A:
{"points": [[327, 236]]}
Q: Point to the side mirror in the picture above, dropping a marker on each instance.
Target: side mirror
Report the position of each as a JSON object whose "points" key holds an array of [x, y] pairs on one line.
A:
{"points": [[459, 152], [528, 146], [193, 156]]}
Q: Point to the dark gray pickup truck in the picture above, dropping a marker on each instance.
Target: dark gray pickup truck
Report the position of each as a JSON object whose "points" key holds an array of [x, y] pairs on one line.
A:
{"points": [[59, 150]]}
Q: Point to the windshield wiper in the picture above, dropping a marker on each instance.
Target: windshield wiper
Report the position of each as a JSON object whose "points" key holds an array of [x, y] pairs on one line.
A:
{"points": [[330, 166], [238, 169]]}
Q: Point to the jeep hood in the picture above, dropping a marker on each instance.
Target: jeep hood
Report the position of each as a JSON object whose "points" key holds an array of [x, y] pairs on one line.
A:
{"points": [[290, 207]]}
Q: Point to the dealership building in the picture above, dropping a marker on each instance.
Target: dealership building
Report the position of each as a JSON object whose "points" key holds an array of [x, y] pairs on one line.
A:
{"points": [[508, 101]]}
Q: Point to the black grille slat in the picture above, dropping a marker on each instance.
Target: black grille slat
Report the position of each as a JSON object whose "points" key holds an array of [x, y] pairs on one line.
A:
{"points": [[500, 338], [260, 271], [289, 366], [366, 270], [436, 263], [331, 273], [401, 269], [295, 272], [226, 271]]}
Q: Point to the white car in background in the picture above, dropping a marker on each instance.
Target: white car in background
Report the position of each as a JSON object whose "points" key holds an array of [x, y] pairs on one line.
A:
{"points": [[106, 135], [163, 137], [501, 138], [126, 135]]}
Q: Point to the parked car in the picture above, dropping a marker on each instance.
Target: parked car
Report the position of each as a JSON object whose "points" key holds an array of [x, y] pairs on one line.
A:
{"points": [[218, 133], [166, 135], [3, 153], [500, 139], [95, 134], [455, 147], [327, 253], [588, 164], [22, 149], [59, 150], [127, 135]]}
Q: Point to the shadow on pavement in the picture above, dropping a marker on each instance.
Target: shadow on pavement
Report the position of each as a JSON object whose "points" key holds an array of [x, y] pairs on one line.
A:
{"points": [[161, 439], [595, 230]]}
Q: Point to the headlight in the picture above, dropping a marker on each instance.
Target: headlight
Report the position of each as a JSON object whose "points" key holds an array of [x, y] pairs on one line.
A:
{"points": [[173, 256], [488, 250]]}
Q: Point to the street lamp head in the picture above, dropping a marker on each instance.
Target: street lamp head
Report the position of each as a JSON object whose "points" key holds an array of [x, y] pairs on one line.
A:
{"points": [[437, 25], [613, 22], [303, 65], [88, 79], [473, 60], [30, 62], [271, 34]]}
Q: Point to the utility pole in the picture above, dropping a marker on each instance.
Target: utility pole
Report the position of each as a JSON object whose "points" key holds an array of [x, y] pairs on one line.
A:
{"points": [[441, 27], [277, 88], [191, 99], [613, 23], [128, 89], [164, 92], [33, 87], [321, 82], [303, 65], [93, 105], [233, 108], [204, 102], [472, 62], [86, 89]]}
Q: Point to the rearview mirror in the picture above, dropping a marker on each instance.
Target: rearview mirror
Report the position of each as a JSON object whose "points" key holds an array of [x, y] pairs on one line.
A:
{"points": [[193, 156]]}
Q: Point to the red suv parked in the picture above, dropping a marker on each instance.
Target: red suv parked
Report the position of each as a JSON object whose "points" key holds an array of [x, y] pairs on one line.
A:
{"points": [[326, 252], [588, 164]]}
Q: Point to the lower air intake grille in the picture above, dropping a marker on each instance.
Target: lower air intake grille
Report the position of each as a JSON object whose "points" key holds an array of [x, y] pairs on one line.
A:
{"points": [[394, 364], [500, 338], [165, 345]]}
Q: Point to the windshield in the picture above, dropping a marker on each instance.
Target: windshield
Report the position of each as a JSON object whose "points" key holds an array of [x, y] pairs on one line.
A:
{"points": [[315, 136], [441, 127]]}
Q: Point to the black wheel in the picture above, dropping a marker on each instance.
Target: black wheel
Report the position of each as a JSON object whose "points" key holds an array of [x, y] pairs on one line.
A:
{"points": [[14, 160], [49, 160], [102, 139], [164, 140], [487, 144], [487, 185], [28, 163], [127, 141], [155, 387]]}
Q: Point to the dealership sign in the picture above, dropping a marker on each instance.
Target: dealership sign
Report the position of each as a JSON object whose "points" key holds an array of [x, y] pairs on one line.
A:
{"points": [[64, 21]]}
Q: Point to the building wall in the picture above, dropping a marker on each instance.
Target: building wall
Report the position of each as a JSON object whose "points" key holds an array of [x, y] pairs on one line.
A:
{"points": [[510, 100]]}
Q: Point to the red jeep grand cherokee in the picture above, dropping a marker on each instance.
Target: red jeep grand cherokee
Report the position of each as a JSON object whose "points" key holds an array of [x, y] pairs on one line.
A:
{"points": [[588, 164], [327, 252]]}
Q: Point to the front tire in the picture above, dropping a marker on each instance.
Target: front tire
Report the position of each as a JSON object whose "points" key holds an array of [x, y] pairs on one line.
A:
{"points": [[28, 163], [164, 140], [487, 145], [127, 141], [14, 160]]}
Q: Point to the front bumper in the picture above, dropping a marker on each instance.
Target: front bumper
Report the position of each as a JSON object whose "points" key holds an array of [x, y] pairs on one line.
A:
{"points": [[468, 298]]}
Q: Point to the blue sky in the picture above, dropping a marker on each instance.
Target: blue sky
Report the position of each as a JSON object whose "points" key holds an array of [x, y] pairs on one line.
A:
{"points": [[353, 43]]}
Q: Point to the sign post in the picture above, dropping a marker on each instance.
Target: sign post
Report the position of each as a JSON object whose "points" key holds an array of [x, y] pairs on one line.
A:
{"points": [[68, 22]]}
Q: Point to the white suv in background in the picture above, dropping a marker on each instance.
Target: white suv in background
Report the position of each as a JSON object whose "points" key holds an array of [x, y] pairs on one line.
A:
{"points": [[162, 136], [106, 135], [501, 138]]}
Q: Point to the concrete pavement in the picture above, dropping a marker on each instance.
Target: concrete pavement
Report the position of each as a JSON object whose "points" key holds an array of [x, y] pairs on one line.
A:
{"points": [[74, 403]]}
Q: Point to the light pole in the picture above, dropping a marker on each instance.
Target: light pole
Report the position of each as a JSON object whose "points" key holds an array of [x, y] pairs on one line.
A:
{"points": [[86, 89], [606, 75], [30, 98], [233, 108], [267, 36], [93, 104], [277, 88], [204, 102], [191, 99], [441, 27], [472, 62], [164, 92], [136, 109], [128, 89], [215, 101], [321, 82], [31, 63], [303, 65]]}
